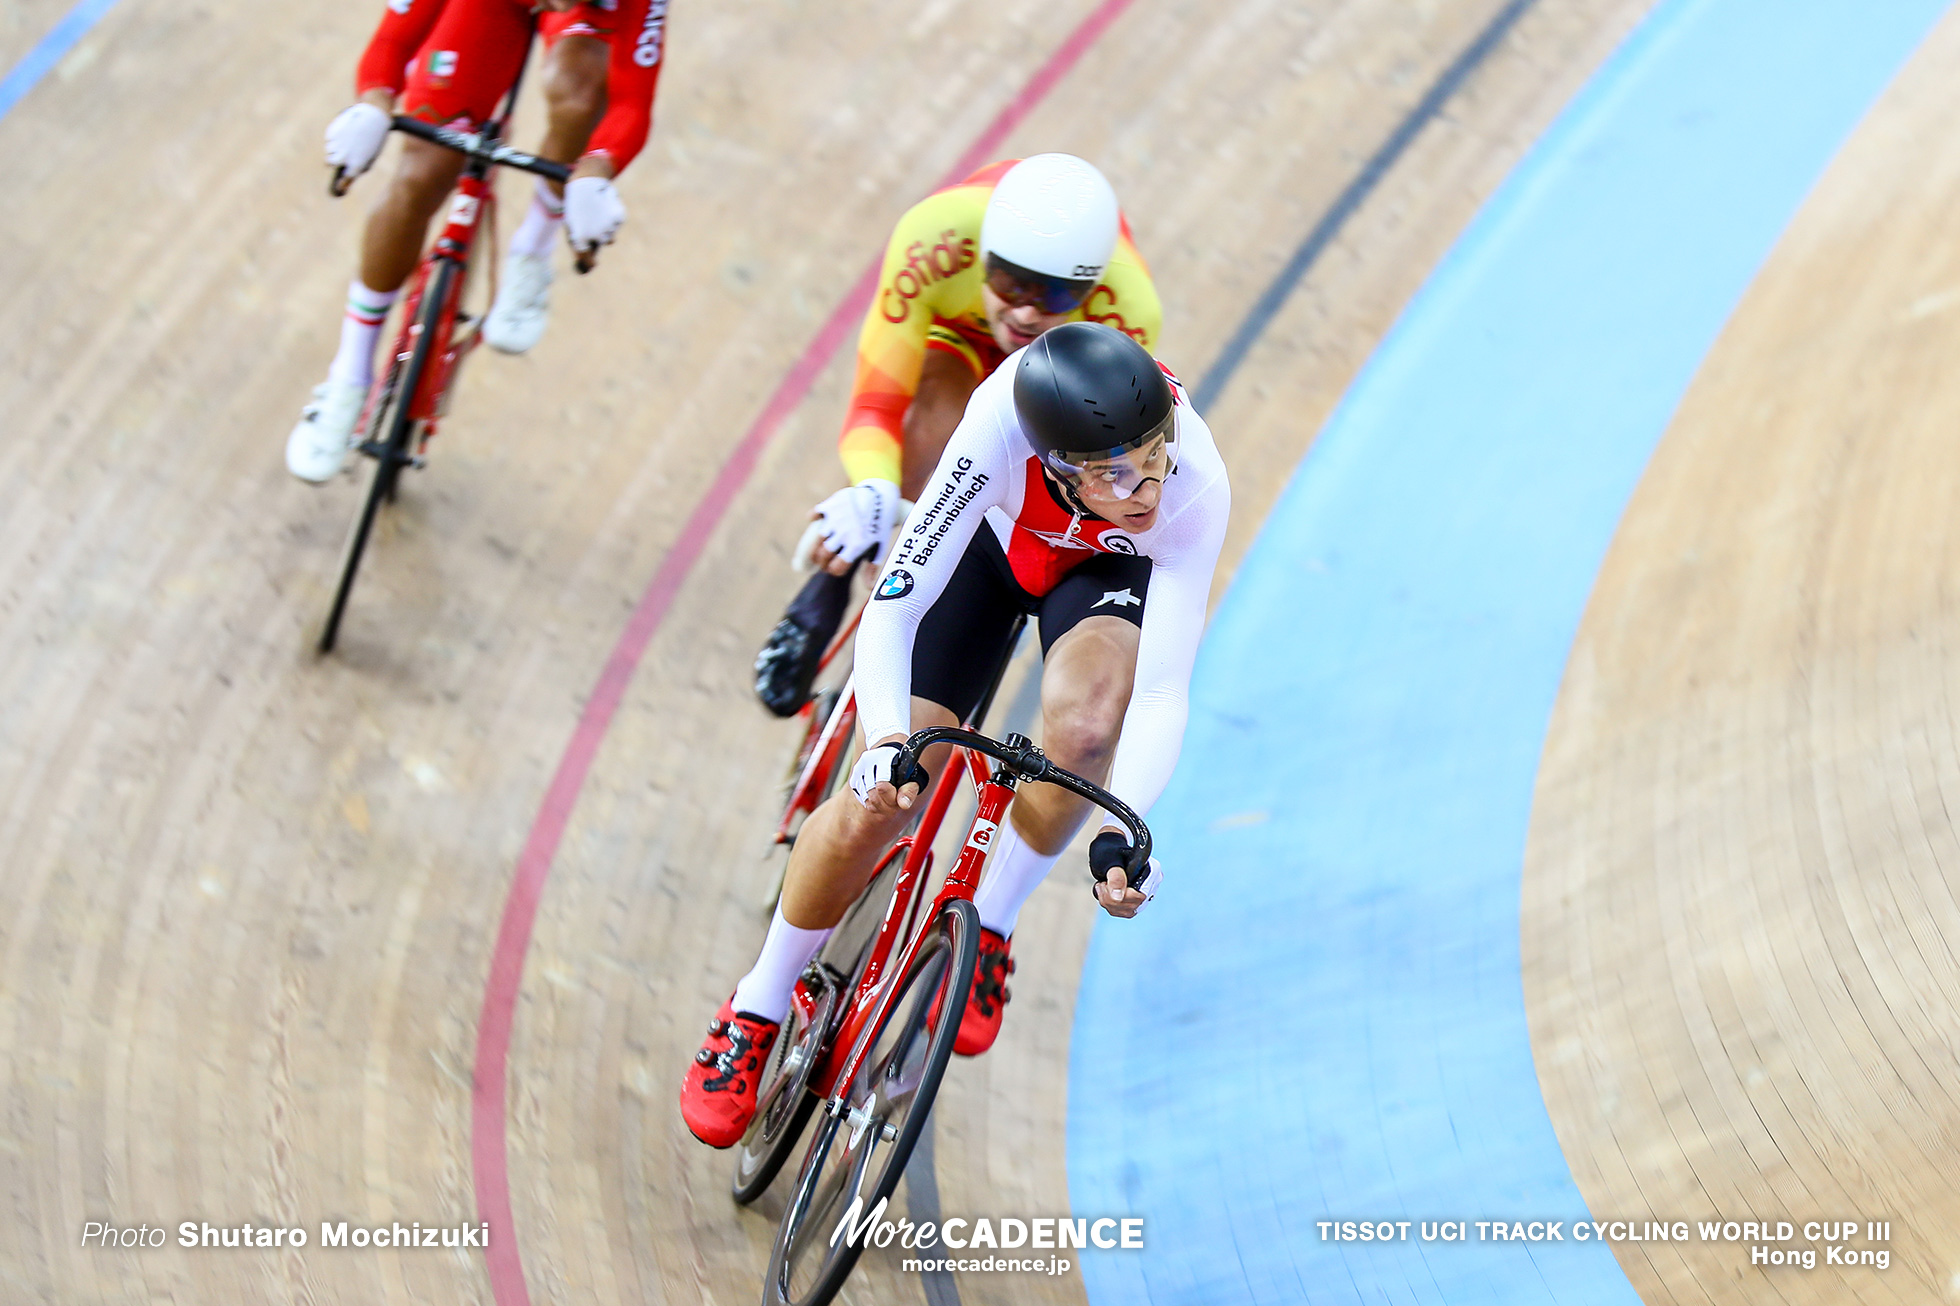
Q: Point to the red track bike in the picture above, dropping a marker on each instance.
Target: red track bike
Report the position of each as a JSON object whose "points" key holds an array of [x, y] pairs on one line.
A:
{"points": [[412, 395], [874, 1019]]}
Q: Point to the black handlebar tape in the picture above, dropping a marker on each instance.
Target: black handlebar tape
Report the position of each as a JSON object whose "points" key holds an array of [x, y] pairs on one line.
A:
{"points": [[1109, 850]]}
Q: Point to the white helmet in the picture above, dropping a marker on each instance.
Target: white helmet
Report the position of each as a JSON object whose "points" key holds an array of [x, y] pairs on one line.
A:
{"points": [[1052, 216]]}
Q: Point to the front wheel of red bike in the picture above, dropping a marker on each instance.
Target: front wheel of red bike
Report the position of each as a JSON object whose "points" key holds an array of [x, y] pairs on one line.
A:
{"points": [[858, 1154], [390, 441]]}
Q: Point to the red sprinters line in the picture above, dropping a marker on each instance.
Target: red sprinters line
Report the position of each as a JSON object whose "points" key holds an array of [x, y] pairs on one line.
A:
{"points": [[488, 1144]]}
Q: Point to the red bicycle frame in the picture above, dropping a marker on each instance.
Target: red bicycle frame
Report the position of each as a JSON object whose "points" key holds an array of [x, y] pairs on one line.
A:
{"points": [[472, 201], [822, 755], [852, 1042]]}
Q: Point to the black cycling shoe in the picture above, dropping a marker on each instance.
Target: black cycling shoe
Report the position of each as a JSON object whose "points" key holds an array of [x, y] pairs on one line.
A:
{"points": [[788, 661]]}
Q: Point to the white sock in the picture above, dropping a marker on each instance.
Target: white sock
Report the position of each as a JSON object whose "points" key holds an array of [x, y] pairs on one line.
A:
{"points": [[766, 989], [541, 223], [366, 311], [1013, 872]]}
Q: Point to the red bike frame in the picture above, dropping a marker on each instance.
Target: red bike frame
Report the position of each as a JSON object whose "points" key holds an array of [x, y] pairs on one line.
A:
{"points": [[473, 200], [823, 753], [852, 1042]]}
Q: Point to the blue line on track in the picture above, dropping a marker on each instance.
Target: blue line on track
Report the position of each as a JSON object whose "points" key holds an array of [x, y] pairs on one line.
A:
{"points": [[49, 51], [1323, 1016]]}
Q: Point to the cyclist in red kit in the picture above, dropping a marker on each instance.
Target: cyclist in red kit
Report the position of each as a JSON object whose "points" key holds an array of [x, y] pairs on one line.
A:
{"points": [[449, 62]]}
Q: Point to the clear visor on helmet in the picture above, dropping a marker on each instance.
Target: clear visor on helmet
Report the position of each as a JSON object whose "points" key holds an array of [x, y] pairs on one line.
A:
{"points": [[1119, 472]]}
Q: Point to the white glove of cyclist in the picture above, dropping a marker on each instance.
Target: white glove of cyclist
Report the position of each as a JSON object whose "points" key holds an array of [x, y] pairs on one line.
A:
{"points": [[874, 768], [355, 136], [858, 519], [593, 213]]}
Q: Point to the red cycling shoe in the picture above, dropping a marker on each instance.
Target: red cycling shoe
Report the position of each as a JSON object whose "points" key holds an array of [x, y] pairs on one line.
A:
{"points": [[986, 1002], [718, 1093]]}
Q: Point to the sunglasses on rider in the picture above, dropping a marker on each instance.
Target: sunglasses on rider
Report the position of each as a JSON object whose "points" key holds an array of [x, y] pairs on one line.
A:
{"points": [[1016, 286]]}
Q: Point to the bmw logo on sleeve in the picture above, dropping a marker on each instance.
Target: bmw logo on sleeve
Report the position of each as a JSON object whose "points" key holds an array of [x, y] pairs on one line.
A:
{"points": [[896, 584]]}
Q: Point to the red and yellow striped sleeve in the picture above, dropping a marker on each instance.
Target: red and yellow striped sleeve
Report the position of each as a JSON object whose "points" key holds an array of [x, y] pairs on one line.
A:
{"points": [[931, 272]]}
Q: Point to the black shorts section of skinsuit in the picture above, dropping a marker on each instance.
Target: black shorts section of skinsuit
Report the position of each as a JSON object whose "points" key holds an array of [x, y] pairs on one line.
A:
{"points": [[964, 635]]}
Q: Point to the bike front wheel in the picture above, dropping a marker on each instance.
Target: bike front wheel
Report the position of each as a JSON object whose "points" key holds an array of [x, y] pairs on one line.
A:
{"points": [[391, 440], [857, 1156]]}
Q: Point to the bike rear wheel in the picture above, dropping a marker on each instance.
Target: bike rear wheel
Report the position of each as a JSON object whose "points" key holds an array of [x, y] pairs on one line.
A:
{"points": [[859, 1156], [394, 421]]}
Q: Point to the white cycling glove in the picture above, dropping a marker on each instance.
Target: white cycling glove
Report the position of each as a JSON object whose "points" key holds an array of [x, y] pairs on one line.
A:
{"points": [[355, 136], [593, 213], [858, 519], [874, 768]]}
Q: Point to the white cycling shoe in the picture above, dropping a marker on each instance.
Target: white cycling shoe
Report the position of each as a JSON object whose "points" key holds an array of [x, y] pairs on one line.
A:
{"points": [[516, 320], [317, 448]]}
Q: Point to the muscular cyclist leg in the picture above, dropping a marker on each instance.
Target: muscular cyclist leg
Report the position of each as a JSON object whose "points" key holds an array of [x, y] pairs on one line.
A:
{"points": [[575, 92], [575, 101], [840, 843], [1085, 690], [391, 245]]}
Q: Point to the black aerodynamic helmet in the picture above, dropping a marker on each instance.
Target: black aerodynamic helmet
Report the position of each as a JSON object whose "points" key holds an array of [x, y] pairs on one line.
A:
{"points": [[1086, 392]]}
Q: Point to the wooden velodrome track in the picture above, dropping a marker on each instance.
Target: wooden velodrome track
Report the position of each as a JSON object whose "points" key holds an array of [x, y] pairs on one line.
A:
{"points": [[249, 899], [1739, 913]]}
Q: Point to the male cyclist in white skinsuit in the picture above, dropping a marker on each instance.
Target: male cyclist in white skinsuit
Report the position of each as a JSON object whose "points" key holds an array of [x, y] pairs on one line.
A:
{"points": [[1079, 486], [971, 273]]}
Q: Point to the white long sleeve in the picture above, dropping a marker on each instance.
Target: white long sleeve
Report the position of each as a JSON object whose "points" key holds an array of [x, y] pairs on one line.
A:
{"points": [[987, 465]]}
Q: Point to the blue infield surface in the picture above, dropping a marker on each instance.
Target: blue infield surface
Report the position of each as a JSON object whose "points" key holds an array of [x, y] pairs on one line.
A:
{"points": [[1322, 1016]]}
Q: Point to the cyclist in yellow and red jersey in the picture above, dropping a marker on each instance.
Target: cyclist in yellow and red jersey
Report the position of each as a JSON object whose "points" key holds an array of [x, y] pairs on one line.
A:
{"points": [[971, 274]]}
